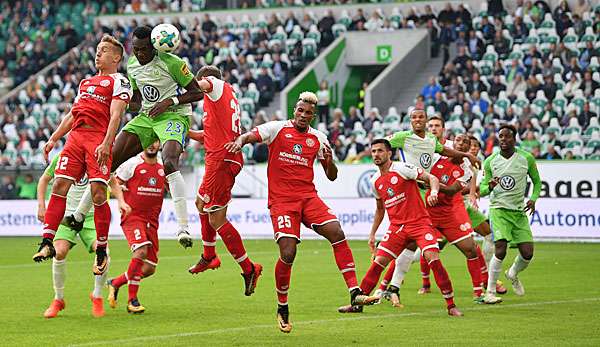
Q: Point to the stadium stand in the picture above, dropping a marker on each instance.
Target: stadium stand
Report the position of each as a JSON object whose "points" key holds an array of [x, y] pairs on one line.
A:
{"points": [[534, 67]]}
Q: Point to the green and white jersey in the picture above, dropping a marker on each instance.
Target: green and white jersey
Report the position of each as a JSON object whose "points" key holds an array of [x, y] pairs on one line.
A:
{"points": [[415, 149], [75, 192], [512, 172], [162, 78]]}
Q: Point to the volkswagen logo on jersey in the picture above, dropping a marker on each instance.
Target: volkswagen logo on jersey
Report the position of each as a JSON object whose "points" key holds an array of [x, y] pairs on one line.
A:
{"points": [[364, 187], [425, 160], [150, 93], [297, 148], [390, 192], [444, 179], [152, 181], [507, 182]]}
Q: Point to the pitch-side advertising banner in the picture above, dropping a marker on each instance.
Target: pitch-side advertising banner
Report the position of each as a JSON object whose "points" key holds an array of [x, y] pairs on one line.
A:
{"points": [[555, 219], [559, 180]]}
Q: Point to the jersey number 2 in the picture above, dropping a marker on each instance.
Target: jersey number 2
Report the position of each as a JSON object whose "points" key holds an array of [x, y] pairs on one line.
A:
{"points": [[235, 117], [62, 163]]}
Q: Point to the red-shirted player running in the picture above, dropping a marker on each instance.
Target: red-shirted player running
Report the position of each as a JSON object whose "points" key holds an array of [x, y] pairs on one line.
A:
{"points": [[143, 179], [450, 216], [395, 189], [93, 123], [221, 125], [293, 199]]}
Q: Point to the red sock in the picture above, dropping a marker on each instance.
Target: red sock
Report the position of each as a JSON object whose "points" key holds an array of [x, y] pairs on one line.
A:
{"points": [[209, 238], [232, 240], [102, 223], [371, 278], [134, 274], [482, 265], [283, 273], [345, 262], [54, 214], [475, 271], [443, 281], [388, 276], [425, 272], [120, 280]]}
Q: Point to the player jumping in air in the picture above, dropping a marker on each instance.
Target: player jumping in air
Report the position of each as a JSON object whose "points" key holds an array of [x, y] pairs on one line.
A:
{"points": [[293, 147], [143, 179], [65, 239], [221, 125], [163, 90], [92, 124], [505, 180], [416, 147], [396, 191]]}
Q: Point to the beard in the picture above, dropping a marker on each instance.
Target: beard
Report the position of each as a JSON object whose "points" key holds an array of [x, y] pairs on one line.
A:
{"points": [[151, 155]]}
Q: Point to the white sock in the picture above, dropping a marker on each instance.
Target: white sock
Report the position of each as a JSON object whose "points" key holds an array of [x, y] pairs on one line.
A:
{"points": [[417, 256], [488, 248], [85, 205], [177, 188], [100, 281], [402, 266], [518, 265], [493, 273], [59, 273]]}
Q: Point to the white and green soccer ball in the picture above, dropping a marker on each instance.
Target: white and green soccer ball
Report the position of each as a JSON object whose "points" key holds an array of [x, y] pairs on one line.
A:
{"points": [[165, 37]]}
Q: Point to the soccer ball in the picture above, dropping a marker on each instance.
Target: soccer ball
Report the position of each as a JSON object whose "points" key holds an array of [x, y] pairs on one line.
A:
{"points": [[165, 37]]}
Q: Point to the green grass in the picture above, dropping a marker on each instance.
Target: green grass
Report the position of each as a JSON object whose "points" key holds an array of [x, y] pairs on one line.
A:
{"points": [[560, 308]]}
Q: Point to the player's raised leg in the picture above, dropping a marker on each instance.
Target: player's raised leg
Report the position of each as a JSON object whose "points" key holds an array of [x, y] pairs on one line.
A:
{"points": [[520, 263], [170, 156]]}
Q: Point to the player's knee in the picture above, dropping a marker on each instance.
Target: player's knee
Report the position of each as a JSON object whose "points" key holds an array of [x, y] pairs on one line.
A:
{"points": [[61, 186], [170, 163], [471, 253], [287, 249], [61, 254], [288, 256], [527, 255], [199, 204], [99, 195], [430, 255], [141, 252], [149, 270]]}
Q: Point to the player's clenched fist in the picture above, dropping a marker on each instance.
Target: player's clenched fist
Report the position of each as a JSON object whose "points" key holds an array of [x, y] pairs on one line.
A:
{"points": [[47, 148], [233, 147]]}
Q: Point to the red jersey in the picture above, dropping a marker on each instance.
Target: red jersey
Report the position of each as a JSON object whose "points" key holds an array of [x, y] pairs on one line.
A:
{"points": [[291, 157], [145, 186], [221, 120], [92, 105], [448, 173], [400, 194]]}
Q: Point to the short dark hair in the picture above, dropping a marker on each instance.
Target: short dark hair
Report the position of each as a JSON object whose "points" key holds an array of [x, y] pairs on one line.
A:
{"points": [[209, 70], [142, 32], [436, 117], [512, 129], [387, 143], [475, 140]]}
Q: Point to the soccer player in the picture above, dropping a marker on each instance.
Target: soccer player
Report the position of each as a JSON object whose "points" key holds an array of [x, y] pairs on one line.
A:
{"points": [[163, 90], [505, 180], [450, 217], [293, 147], [65, 239], [396, 191], [417, 147], [92, 123], [143, 179], [221, 125]]}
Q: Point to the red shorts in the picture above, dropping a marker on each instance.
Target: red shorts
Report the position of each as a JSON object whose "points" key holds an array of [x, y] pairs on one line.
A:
{"points": [[140, 232], [398, 236], [454, 225], [217, 183], [79, 157], [287, 216]]}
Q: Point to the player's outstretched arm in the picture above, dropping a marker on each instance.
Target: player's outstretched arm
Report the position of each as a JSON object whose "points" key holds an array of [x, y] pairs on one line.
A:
{"points": [[42, 187], [379, 214], [136, 101], [192, 94], [328, 164], [117, 109], [451, 189], [452, 153], [63, 128], [197, 135], [434, 183], [241, 141]]}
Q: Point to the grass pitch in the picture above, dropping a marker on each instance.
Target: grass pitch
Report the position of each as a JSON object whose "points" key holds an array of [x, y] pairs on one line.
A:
{"points": [[560, 307]]}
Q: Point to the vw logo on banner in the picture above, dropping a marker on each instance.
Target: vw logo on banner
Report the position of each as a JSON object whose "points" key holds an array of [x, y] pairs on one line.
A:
{"points": [[364, 184]]}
